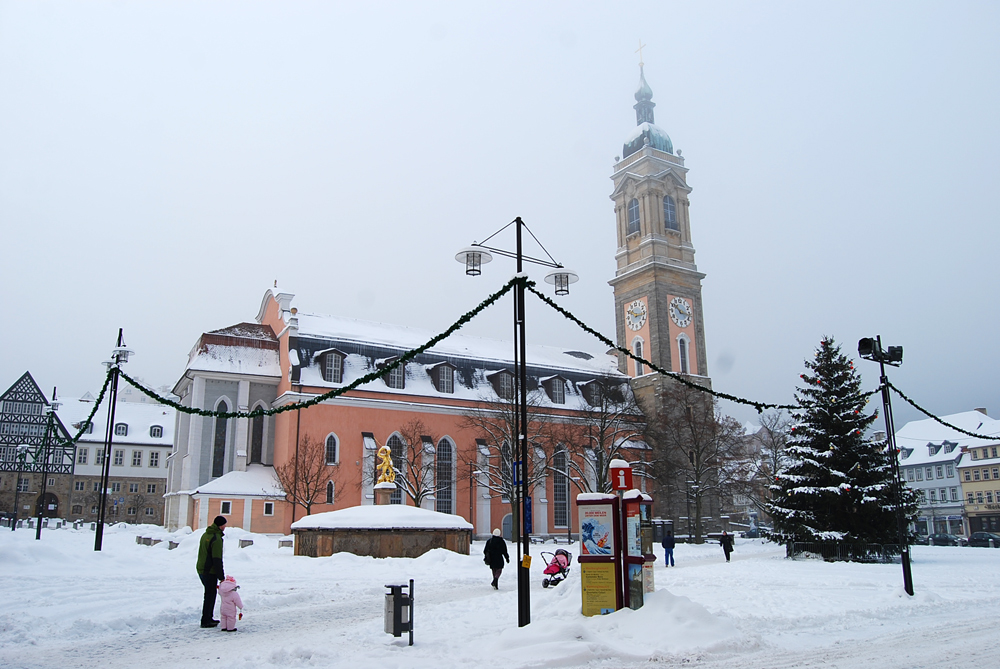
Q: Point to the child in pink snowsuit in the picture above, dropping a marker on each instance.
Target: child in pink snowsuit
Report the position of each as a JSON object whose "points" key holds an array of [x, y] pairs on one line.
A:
{"points": [[230, 602]]}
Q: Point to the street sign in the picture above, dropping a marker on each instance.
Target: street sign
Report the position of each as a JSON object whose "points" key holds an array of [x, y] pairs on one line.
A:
{"points": [[621, 478], [517, 472], [528, 518]]}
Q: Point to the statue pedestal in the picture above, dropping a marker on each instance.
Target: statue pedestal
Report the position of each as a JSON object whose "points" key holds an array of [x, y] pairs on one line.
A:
{"points": [[382, 493]]}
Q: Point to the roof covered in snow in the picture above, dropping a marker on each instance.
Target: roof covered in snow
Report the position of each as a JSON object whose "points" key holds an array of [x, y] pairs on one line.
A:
{"points": [[139, 417], [244, 348], [257, 480], [928, 441], [387, 517]]}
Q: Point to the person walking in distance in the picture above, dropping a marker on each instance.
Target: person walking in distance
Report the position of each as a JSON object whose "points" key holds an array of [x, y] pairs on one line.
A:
{"points": [[210, 569], [495, 554], [727, 544], [668, 544]]}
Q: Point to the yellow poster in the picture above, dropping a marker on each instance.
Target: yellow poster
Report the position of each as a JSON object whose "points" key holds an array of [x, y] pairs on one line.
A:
{"points": [[597, 581]]}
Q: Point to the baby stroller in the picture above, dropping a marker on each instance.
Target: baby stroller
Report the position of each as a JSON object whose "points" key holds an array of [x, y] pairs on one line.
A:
{"points": [[556, 567]]}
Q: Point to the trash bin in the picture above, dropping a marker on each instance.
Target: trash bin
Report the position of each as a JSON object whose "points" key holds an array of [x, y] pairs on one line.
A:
{"points": [[399, 610]]}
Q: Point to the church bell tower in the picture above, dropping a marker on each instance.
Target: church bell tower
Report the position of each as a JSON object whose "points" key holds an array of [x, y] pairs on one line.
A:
{"points": [[657, 286]]}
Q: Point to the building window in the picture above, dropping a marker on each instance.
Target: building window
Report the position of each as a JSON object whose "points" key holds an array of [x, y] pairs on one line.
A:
{"points": [[219, 447], [669, 213], [99, 456], [22, 484], [93, 509], [920, 473], [121, 430], [268, 508], [396, 377], [333, 367], [226, 508], [506, 480], [331, 451], [560, 489], [682, 350], [78, 509], [150, 488], [88, 428], [556, 389], [116, 487], [445, 484], [979, 497], [51, 482], [156, 432], [503, 384], [933, 495], [986, 474], [398, 448], [81, 456], [939, 471], [154, 458], [329, 492], [909, 474], [137, 458], [150, 511], [119, 460], [633, 217], [996, 473], [968, 476], [637, 351], [930, 473], [131, 511], [79, 486], [133, 488], [975, 475], [257, 440], [949, 471], [989, 496], [994, 450], [922, 496], [444, 377], [593, 394], [96, 486], [954, 494]]}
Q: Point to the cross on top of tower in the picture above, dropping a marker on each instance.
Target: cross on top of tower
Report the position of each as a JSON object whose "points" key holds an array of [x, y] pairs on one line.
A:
{"points": [[639, 51]]}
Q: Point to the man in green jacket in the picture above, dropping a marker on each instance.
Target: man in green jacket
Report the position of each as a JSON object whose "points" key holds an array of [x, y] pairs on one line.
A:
{"points": [[210, 569]]}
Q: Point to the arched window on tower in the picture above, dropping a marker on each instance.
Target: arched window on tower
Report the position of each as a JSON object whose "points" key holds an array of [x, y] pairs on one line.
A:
{"points": [[633, 216], [669, 213], [637, 351], [682, 353]]}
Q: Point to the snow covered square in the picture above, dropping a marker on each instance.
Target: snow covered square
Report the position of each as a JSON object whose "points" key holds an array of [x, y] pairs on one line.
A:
{"points": [[65, 605]]}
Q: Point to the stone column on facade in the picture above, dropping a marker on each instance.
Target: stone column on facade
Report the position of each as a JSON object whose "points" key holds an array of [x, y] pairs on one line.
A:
{"points": [[247, 513], [241, 443]]}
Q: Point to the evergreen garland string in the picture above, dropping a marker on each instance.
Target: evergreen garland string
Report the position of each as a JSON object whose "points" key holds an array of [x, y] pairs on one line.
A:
{"points": [[97, 403], [759, 406], [367, 378], [992, 437]]}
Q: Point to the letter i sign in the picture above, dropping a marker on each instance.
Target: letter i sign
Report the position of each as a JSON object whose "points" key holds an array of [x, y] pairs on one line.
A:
{"points": [[621, 478]]}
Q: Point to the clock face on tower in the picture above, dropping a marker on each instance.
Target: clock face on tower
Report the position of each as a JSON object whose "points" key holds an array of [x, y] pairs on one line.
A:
{"points": [[680, 312], [635, 315]]}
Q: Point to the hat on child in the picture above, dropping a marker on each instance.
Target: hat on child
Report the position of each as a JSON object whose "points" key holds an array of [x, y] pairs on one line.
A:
{"points": [[231, 579]]}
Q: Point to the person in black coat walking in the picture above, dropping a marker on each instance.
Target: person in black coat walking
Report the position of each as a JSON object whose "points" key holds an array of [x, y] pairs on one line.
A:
{"points": [[668, 544], [495, 553], [727, 544]]}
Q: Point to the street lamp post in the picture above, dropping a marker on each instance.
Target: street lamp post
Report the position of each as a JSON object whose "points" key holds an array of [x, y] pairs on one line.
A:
{"points": [[21, 457], [871, 349], [51, 411], [119, 356], [474, 257]]}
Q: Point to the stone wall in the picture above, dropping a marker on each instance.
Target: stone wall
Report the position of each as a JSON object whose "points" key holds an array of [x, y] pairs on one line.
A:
{"points": [[380, 543]]}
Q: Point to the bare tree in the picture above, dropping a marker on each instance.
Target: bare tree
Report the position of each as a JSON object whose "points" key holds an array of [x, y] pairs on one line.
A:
{"points": [[696, 446], [609, 426], [765, 458], [304, 477], [495, 420], [137, 501]]}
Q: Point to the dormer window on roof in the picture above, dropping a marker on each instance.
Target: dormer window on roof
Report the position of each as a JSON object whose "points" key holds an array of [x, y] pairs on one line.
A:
{"points": [[592, 392], [121, 429], [443, 377], [555, 388], [905, 452], [395, 377], [949, 446], [503, 384], [932, 449], [332, 364], [156, 431]]}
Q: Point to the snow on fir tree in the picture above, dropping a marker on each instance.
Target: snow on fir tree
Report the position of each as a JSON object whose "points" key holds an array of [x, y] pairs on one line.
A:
{"points": [[838, 484]]}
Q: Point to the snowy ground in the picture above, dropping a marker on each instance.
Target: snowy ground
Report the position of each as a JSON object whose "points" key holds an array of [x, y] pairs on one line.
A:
{"points": [[64, 605]]}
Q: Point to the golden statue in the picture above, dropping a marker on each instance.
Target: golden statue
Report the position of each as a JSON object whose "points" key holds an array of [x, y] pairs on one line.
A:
{"points": [[386, 472]]}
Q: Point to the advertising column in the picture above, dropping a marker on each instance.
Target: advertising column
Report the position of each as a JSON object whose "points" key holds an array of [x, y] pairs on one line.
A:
{"points": [[600, 564], [638, 555]]}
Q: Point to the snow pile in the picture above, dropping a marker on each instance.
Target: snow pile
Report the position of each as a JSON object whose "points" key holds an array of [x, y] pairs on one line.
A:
{"points": [[389, 517], [256, 480]]}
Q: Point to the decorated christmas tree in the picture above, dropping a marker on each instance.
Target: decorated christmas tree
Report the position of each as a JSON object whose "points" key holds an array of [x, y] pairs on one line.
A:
{"points": [[838, 485]]}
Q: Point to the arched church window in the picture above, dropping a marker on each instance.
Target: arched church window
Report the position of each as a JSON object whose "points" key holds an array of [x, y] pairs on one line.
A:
{"points": [[329, 492], [257, 440], [669, 213], [331, 450], [219, 447], [560, 488], [633, 216], [445, 481], [398, 448], [682, 353], [637, 351]]}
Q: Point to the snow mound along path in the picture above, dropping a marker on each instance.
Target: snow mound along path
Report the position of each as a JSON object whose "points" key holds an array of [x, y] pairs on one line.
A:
{"points": [[667, 625]]}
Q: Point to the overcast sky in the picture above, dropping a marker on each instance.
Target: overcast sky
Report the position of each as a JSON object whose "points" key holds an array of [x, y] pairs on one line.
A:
{"points": [[162, 164]]}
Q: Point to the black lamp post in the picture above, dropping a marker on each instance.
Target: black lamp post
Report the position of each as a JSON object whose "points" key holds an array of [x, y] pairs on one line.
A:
{"points": [[51, 411], [474, 257], [871, 349], [119, 356], [22, 455]]}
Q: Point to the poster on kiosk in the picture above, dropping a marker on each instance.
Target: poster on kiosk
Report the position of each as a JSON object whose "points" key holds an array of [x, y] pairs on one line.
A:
{"points": [[637, 553], [600, 553]]}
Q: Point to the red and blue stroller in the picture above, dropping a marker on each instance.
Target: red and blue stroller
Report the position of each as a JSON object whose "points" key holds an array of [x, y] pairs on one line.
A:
{"points": [[556, 567]]}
